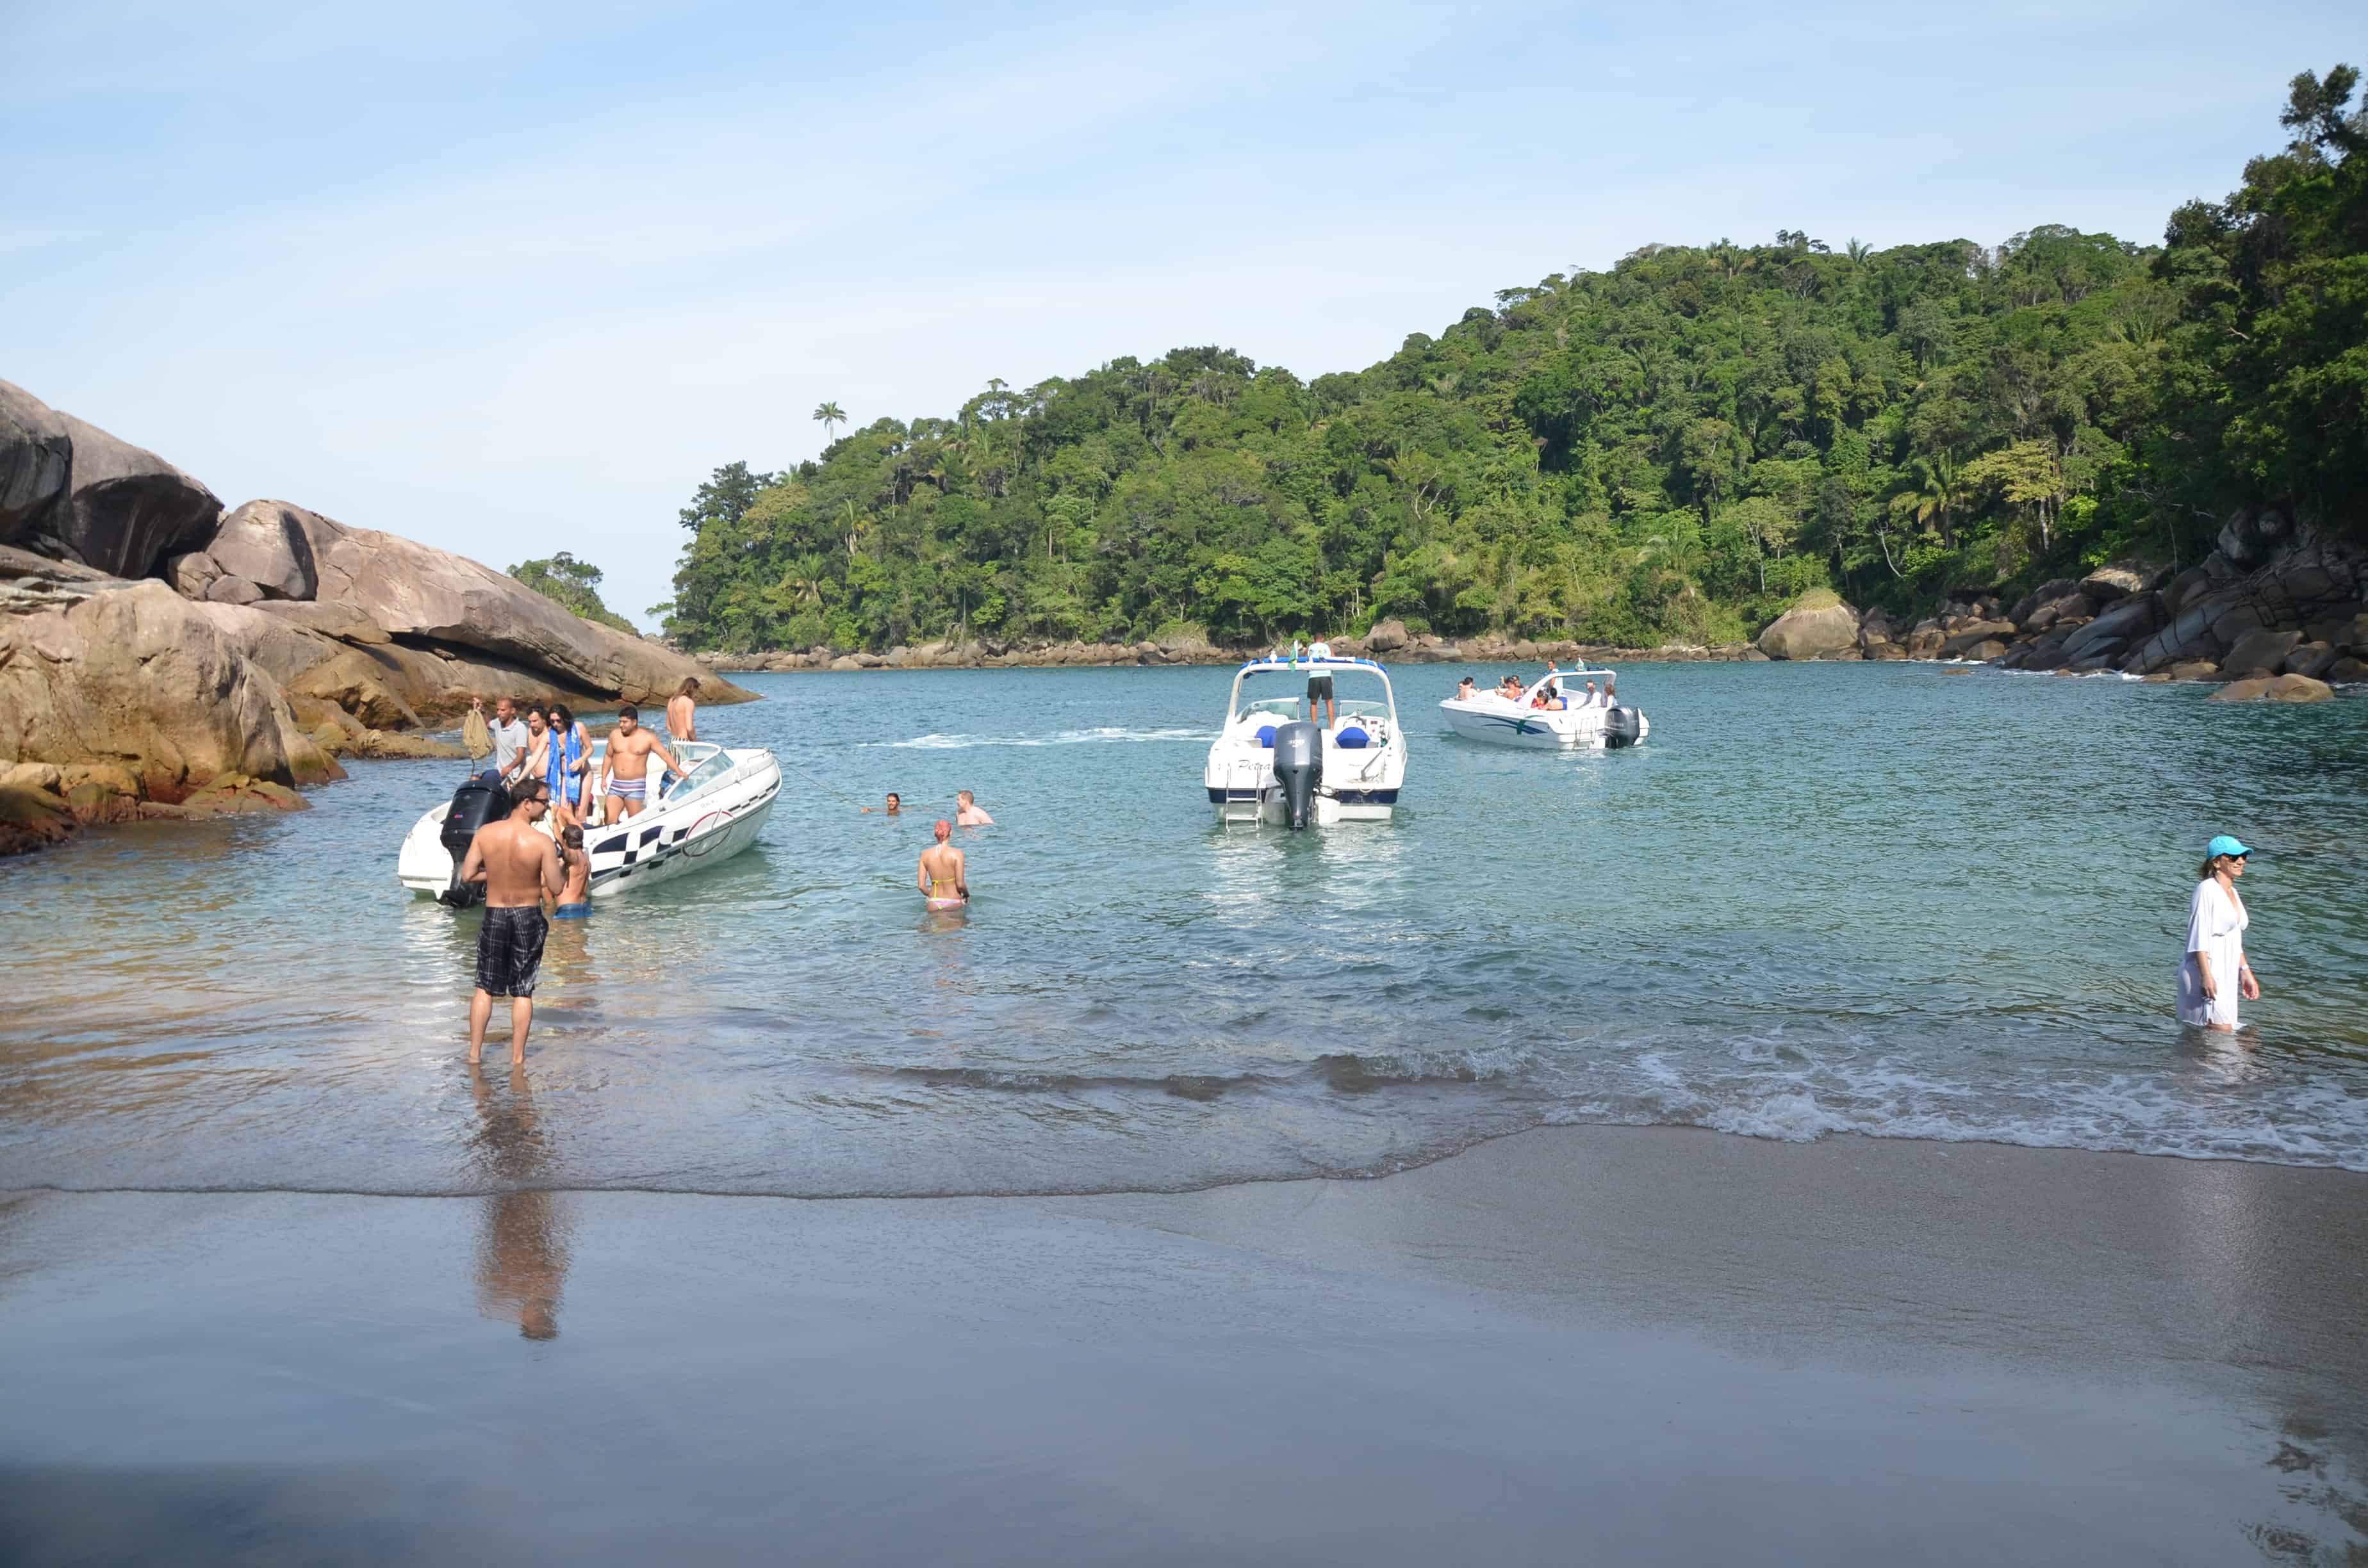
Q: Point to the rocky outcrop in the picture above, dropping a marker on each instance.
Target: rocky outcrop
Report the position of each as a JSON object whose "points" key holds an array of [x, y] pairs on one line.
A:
{"points": [[125, 509], [153, 652], [35, 457], [1817, 628], [133, 675], [262, 545]]}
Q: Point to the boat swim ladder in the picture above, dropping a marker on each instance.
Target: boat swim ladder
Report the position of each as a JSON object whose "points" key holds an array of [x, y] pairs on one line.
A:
{"points": [[1244, 802]]}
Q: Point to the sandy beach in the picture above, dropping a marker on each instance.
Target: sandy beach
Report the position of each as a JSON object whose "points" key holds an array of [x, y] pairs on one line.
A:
{"points": [[1583, 1344]]}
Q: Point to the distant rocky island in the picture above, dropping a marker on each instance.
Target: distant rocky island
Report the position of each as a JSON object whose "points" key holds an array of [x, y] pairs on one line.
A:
{"points": [[162, 655]]}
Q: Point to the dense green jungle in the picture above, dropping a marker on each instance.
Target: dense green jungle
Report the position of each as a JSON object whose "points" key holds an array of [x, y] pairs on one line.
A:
{"points": [[1672, 451]]}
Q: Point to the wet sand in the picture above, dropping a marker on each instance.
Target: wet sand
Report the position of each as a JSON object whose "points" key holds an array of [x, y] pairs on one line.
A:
{"points": [[1584, 1344]]}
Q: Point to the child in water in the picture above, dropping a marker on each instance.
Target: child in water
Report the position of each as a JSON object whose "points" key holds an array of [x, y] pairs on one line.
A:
{"points": [[575, 884]]}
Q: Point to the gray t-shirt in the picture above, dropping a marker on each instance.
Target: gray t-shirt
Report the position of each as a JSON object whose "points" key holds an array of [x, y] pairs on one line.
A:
{"points": [[510, 741]]}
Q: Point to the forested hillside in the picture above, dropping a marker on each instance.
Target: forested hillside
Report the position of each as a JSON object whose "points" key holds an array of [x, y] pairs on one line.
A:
{"points": [[1670, 451]]}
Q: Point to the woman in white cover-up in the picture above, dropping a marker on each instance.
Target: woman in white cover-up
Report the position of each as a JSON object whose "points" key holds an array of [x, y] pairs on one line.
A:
{"points": [[2214, 973]]}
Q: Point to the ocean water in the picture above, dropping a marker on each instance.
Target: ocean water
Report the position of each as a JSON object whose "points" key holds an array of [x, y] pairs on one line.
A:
{"points": [[1892, 900]]}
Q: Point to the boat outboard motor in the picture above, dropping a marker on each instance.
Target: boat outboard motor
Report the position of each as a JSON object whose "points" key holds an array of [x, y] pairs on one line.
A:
{"points": [[1299, 769], [1621, 727], [474, 804]]}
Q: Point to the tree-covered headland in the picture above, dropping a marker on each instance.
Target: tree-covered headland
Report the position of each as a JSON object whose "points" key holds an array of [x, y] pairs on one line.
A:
{"points": [[1671, 450]]}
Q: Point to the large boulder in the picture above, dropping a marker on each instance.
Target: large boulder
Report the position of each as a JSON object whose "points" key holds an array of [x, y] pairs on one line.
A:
{"points": [[2252, 535], [417, 592], [1817, 626], [263, 545], [36, 456], [2263, 652], [1962, 643], [125, 508], [2107, 584], [2279, 688], [1387, 636], [133, 674], [2133, 617]]}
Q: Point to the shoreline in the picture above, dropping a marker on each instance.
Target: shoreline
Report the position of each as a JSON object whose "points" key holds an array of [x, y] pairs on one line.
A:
{"points": [[1642, 1341]]}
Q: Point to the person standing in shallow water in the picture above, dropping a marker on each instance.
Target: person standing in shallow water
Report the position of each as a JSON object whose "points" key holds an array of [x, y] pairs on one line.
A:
{"points": [[943, 876], [967, 813], [2214, 973], [518, 866]]}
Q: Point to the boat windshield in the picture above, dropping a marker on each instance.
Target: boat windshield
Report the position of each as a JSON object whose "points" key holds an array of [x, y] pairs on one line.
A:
{"points": [[1277, 689], [703, 771]]}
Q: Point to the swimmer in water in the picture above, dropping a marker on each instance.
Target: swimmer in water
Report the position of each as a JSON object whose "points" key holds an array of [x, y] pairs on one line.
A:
{"points": [[893, 808], [942, 883], [966, 812]]}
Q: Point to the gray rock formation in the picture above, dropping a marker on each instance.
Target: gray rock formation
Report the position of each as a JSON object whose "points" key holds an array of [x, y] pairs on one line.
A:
{"points": [[125, 508], [263, 543], [35, 457], [1811, 632]]}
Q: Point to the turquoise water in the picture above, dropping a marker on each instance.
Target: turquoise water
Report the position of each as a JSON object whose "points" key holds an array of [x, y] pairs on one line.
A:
{"points": [[1889, 899]]}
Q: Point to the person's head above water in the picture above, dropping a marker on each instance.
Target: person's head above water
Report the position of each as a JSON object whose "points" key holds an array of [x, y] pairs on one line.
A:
{"points": [[942, 828], [895, 801], [963, 798]]}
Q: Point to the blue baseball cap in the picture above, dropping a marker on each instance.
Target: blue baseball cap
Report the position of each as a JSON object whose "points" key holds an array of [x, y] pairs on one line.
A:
{"points": [[2226, 844]]}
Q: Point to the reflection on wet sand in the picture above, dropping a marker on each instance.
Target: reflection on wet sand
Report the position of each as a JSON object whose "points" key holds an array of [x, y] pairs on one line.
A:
{"points": [[522, 1236]]}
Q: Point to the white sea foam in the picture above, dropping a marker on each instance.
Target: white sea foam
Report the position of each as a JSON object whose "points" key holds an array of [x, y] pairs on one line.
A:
{"points": [[1103, 735]]}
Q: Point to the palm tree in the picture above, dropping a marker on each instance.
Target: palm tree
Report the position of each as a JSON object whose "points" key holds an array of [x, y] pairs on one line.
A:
{"points": [[830, 416]]}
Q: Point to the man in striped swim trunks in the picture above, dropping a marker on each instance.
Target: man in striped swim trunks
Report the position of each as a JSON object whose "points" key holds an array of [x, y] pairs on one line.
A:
{"points": [[628, 765]]}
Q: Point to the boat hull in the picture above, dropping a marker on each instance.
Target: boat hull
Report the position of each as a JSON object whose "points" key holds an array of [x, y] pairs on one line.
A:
{"points": [[677, 837], [1495, 724]]}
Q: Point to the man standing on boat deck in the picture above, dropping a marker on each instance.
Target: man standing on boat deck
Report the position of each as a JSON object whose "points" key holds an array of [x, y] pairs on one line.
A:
{"points": [[1319, 684], [510, 740], [682, 711], [628, 765], [518, 866]]}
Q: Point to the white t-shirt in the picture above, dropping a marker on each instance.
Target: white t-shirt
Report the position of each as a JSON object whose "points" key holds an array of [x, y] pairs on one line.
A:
{"points": [[2215, 928], [1319, 650]]}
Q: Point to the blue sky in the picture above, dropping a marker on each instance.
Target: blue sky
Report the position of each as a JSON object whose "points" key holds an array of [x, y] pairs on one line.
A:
{"points": [[511, 278]]}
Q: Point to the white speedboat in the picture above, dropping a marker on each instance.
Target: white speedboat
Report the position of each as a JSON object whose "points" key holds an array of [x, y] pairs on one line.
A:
{"points": [[707, 815], [1506, 723], [1275, 762]]}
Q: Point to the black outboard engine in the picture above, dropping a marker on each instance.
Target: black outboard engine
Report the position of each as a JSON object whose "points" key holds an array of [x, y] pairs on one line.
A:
{"points": [[1299, 769], [474, 804], [1621, 727]]}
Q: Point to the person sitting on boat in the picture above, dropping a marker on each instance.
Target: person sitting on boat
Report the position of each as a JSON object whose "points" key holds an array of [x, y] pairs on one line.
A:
{"points": [[1548, 698], [1509, 689], [942, 876], [1590, 698], [1610, 691], [1464, 690]]}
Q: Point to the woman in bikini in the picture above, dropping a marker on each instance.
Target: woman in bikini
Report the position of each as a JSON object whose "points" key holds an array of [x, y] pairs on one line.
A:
{"points": [[941, 880]]}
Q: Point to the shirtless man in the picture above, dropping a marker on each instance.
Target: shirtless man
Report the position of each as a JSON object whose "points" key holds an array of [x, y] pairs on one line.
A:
{"points": [[518, 866], [573, 899], [892, 808], [627, 764], [966, 812], [942, 883], [682, 711]]}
